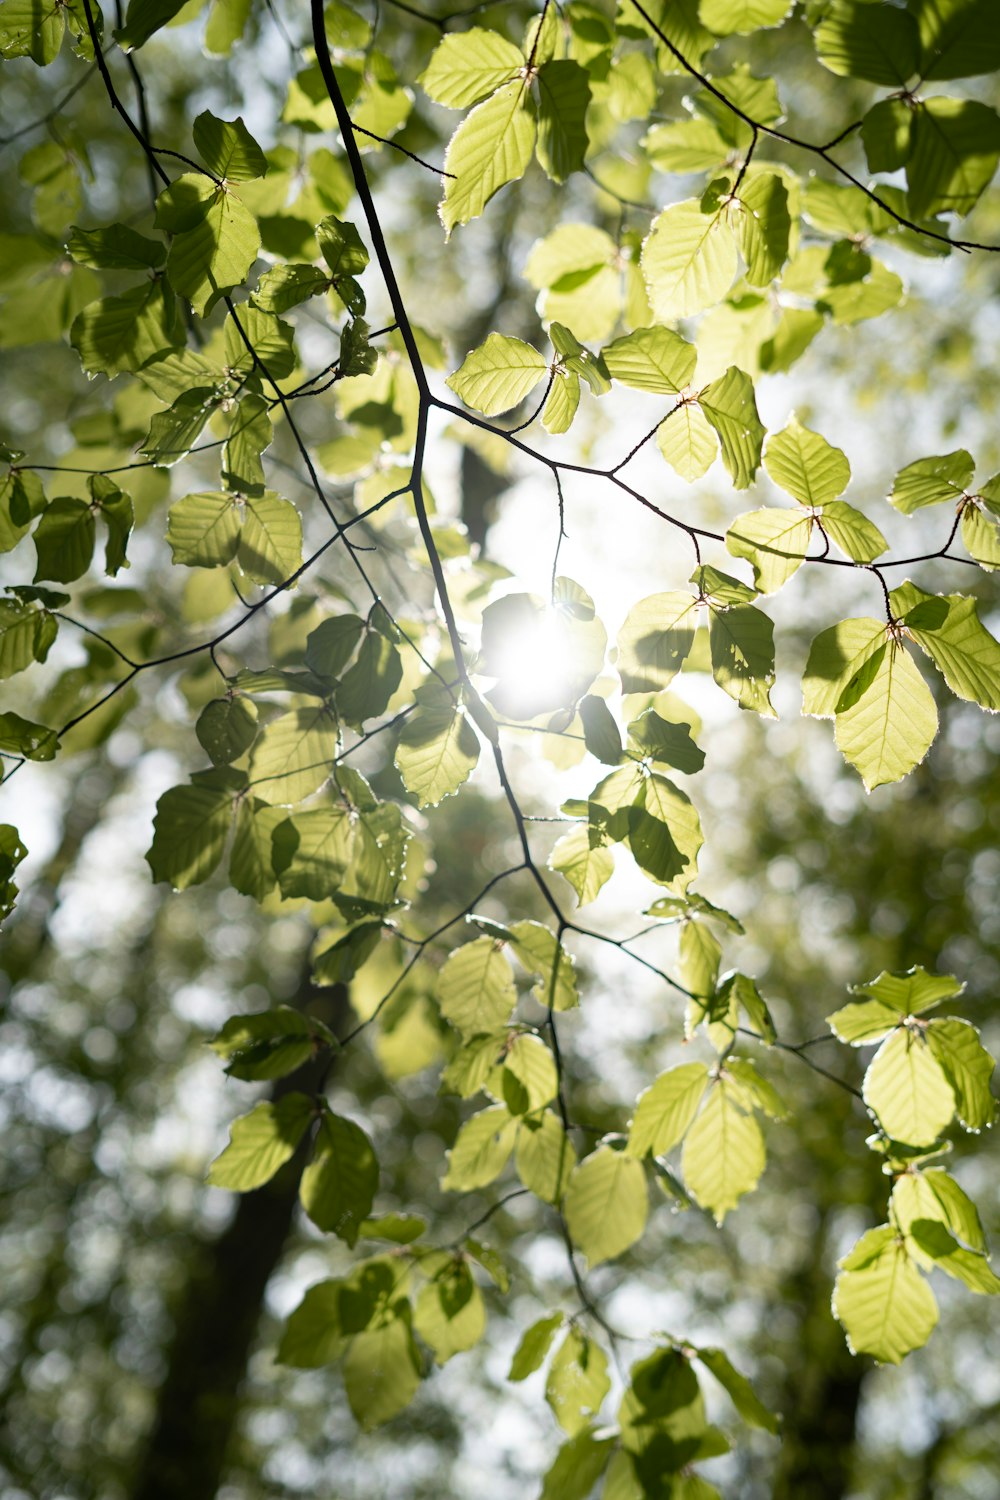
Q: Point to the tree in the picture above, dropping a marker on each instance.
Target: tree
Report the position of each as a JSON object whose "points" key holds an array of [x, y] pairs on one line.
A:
{"points": [[311, 316]]}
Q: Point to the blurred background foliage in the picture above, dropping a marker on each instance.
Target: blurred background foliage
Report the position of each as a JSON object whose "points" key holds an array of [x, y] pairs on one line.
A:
{"points": [[141, 1309]]}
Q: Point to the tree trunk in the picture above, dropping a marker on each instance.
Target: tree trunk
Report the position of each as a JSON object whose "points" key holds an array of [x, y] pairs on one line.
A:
{"points": [[216, 1322]]}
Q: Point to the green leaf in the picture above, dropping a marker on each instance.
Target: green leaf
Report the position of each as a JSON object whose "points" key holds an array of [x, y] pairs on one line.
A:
{"points": [[562, 401], [226, 728], [498, 375], [723, 1155], [215, 255], [897, 994], [472, 1066], [652, 359], [580, 360], [490, 148], [332, 644], [958, 38], [12, 852], [687, 441], [340, 1182], [664, 832], [929, 481], [980, 536], [947, 627], [606, 1204], [744, 16], [31, 28], [721, 589], [24, 737], [381, 1372], [294, 755], [481, 1150], [475, 988], [837, 660], [741, 640], [339, 961], [342, 247], [437, 751], [117, 512], [955, 151], [968, 1068], [739, 1390], [535, 1344], [885, 1305], [450, 1314], [763, 227], [577, 1381], [886, 133], [64, 540], [226, 24], [655, 641], [270, 1043], [250, 863], [544, 1156], [530, 1078], [933, 1240], [876, 42], [312, 851], [665, 743], [578, 1466], [806, 465], [203, 531], [700, 955], [662, 1418], [585, 866], [932, 1194], [25, 636], [261, 1142], [665, 1110], [689, 260], [174, 432], [773, 541], [889, 726], [678, 21], [539, 951], [686, 146], [851, 531], [285, 286], [314, 1334], [468, 65], [255, 338], [600, 732], [270, 543], [731, 408], [191, 826], [740, 990], [227, 148], [752, 1090], [908, 1090], [142, 19], [401, 1229], [563, 98], [115, 247]]}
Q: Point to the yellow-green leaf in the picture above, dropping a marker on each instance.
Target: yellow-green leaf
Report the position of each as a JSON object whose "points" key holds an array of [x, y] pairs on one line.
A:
{"points": [[606, 1204], [724, 1154]]}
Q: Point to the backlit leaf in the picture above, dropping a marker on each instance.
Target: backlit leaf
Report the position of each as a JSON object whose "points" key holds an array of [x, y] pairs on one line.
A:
{"points": [[885, 1305], [689, 260], [908, 1090], [606, 1204], [490, 148], [723, 1155], [261, 1142]]}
